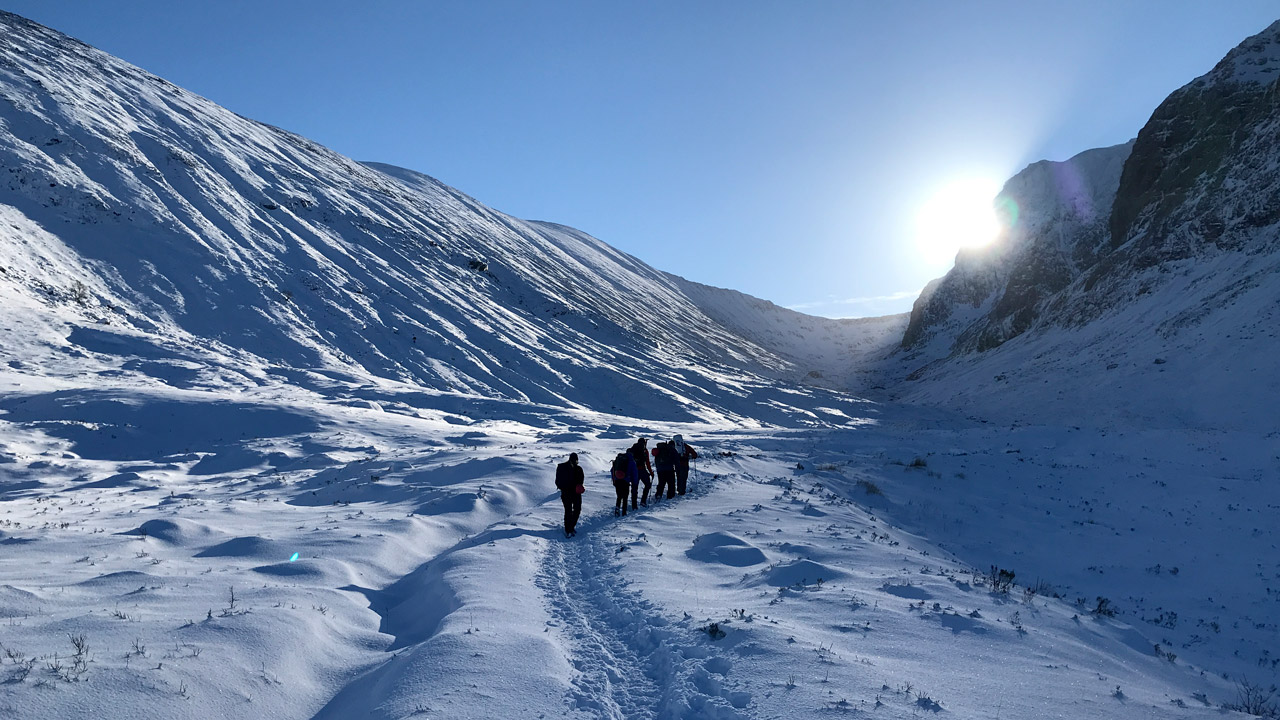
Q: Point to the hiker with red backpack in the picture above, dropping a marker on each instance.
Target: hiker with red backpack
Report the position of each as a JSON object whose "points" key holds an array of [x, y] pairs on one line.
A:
{"points": [[684, 453], [571, 482], [624, 474], [664, 462], [640, 452]]}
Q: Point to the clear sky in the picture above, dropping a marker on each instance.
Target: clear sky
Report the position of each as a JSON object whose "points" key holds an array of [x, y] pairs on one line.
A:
{"points": [[785, 149]]}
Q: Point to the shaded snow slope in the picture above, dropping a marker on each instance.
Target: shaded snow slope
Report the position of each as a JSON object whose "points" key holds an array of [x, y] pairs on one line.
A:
{"points": [[805, 573]]}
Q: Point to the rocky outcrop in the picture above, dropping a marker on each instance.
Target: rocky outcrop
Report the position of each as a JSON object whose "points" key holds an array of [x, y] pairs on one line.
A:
{"points": [[1203, 173], [1054, 215], [1087, 236]]}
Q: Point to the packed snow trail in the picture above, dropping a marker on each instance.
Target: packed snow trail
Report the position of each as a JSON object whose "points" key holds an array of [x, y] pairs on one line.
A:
{"points": [[630, 661]]}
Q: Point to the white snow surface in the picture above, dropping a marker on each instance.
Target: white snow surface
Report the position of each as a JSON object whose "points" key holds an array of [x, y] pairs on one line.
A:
{"points": [[1255, 61], [271, 448], [837, 352]]}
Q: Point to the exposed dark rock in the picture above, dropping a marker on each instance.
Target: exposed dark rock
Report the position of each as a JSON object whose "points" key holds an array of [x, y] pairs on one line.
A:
{"points": [[1109, 226]]}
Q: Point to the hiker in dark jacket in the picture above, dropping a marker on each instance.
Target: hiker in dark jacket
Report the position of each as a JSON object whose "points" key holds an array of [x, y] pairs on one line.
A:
{"points": [[684, 453], [571, 482], [640, 452], [664, 462], [625, 474]]}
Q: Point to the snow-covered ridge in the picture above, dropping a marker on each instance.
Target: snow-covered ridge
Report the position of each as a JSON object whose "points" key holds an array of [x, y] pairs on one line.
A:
{"points": [[1141, 285], [838, 351], [278, 440], [1055, 216], [1255, 61], [168, 216]]}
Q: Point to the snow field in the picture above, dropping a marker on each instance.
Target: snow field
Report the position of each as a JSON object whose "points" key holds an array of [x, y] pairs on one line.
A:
{"points": [[896, 626], [278, 434], [843, 568]]}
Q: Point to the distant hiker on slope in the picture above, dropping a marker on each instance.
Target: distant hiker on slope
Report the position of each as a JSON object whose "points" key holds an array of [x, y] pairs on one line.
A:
{"points": [[640, 451], [684, 453], [571, 482], [625, 474], [664, 461]]}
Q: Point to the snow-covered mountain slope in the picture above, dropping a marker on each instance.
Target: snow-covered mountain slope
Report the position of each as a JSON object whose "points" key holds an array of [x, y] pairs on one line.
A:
{"points": [[278, 432], [1137, 283], [843, 353], [163, 220]]}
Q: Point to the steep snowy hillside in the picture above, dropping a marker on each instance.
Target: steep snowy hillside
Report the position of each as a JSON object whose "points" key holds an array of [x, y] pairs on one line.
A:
{"points": [[842, 353], [144, 217], [1144, 292]]}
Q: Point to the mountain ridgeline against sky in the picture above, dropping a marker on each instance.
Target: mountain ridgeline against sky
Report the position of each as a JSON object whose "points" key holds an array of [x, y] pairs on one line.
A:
{"points": [[1141, 274], [149, 229], [304, 414], [148, 217]]}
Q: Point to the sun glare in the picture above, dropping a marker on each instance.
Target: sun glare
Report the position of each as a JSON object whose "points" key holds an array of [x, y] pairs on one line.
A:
{"points": [[960, 215]]}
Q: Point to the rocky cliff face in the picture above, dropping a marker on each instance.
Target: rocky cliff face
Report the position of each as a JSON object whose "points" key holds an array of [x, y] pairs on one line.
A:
{"points": [[1145, 275], [1202, 176], [1055, 216]]}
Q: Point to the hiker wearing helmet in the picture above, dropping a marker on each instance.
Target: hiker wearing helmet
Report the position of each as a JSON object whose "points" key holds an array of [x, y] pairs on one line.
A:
{"points": [[570, 480], [684, 453], [640, 452]]}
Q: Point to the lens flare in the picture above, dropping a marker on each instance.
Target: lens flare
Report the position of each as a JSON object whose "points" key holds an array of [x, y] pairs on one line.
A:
{"points": [[295, 557], [1007, 211]]}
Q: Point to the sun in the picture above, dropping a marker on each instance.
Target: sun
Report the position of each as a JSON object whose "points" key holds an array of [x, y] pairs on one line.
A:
{"points": [[959, 215]]}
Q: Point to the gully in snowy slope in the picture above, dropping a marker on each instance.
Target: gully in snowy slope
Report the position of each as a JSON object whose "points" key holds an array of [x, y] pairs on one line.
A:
{"points": [[571, 482], [625, 474]]}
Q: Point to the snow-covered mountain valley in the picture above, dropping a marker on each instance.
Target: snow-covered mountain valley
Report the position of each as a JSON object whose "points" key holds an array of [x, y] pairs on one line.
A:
{"points": [[279, 433]]}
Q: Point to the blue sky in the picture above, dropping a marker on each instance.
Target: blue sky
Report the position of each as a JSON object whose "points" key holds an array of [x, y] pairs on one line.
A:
{"points": [[783, 149]]}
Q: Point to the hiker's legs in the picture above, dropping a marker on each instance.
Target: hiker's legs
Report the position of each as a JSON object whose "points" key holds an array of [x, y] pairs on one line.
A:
{"points": [[648, 483], [572, 509], [667, 479], [567, 499], [620, 505], [682, 479]]}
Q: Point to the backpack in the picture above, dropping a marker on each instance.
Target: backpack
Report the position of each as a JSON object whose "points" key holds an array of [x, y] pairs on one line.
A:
{"points": [[564, 477], [641, 454], [665, 456], [620, 467]]}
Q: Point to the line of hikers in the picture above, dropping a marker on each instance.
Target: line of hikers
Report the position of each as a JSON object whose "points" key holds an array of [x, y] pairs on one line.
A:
{"points": [[628, 470]]}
